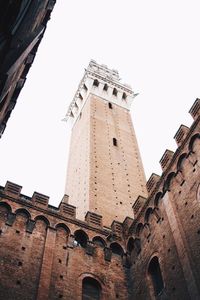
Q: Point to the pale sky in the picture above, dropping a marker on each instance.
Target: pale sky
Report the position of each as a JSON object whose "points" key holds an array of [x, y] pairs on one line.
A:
{"points": [[155, 47]]}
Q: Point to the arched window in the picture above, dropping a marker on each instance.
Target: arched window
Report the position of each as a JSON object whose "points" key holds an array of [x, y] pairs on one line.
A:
{"points": [[96, 83], [91, 289], [81, 238], [98, 241], [116, 249], [156, 275]]}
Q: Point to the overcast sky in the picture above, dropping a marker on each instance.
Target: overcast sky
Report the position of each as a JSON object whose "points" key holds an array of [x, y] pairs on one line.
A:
{"points": [[155, 47]]}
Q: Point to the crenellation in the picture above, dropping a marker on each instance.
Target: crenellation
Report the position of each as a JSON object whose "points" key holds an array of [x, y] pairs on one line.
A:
{"points": [[152, 181], [181, 134], [40, 199], [195, 109], [93, 219], [166, 159], [12, 189]]}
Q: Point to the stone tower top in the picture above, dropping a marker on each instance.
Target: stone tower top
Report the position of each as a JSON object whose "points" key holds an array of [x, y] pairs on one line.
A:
{"points": [[102, 82]]}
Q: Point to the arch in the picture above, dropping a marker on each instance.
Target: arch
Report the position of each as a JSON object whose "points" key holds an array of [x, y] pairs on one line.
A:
{"points": [[137, 245], [6, 205], [99, 241], [180, 161], [63, 226], [148, 212], [124, 96], [139, 229], [105, 88], [167, 182], [91, 289], [43, 218], [23, 211], [81, 238], [130, 244], [192, 140], [115, 92], [96, 83], [157, 198], [116, 249], [155, 275]]}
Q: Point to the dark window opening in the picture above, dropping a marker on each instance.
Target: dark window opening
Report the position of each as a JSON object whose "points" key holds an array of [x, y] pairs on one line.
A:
{"points": [[110, 105], [80, 96], [124, 96], [156, 275], [85, 87], [115, 92], [96, 83], [105, 88], [98, 241], [114, 142], [116, 249], [91, 289], [81, 238]]}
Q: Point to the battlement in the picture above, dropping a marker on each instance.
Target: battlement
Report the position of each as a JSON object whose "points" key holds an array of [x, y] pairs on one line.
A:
{"points": [[40, 202], [172, 163]]}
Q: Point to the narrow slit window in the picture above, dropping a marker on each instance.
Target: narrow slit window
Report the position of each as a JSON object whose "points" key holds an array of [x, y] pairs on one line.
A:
{"points": [[96, 83], [110, 105], [85, 87], [115, 92], [80, 96], [114, 142]]}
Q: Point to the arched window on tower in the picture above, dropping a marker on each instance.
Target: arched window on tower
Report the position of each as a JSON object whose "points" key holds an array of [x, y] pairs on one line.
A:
{"points": [[155, 274], [91, 289], [96, 83]]}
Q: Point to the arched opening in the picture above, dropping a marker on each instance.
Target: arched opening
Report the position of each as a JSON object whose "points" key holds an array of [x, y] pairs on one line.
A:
{"points": [[130, 245], [167, 182], [81, 238], [124, 96], [157, 199], [180, 161], [96, 83], [115, 92], [155, 274], [116, 249], [98, 241], [105, 88], [192, 140], [148, 213], [91, 289]]}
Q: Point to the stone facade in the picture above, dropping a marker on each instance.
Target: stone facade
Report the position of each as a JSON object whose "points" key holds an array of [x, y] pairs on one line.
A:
{"points": [[22, 26]]}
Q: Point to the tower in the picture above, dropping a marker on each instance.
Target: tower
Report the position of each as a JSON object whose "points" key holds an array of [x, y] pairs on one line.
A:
{"points": [[105, 172]]}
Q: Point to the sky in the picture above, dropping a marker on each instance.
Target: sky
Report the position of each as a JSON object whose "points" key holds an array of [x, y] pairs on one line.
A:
{"points": [[155, 47]]}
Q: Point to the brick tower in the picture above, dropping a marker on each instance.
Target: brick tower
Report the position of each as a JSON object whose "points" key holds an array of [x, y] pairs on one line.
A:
{"points": [[105, 172]]}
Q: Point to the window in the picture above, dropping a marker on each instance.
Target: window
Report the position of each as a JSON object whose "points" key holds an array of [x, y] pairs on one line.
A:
{"points": [[124, 96], [115, 92], [105, 88], [116, 249], [85, 87], [91, 289], [114, 142], [155, 275], [96, 83], [110, 105], [81, 238]]}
